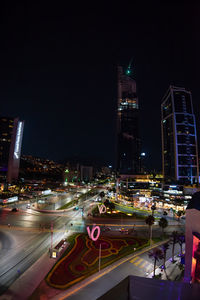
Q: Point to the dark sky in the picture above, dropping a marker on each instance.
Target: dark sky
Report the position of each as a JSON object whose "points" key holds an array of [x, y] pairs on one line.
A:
{"points": [[58, 71]]}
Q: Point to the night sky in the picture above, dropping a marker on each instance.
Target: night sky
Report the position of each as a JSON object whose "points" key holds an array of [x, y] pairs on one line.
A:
{"points": [[58, 71]]}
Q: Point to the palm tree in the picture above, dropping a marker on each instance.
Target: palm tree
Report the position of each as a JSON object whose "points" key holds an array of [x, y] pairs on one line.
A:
{"points": [[102, 195], [111, 206], [163, 223], [106, 202], [156, 254], [164, 248], [150, 221], [153, 208], [174, 240], [181, 241]]}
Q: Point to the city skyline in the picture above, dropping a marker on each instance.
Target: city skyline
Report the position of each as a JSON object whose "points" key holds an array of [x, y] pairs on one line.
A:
{"points": [[60, 77]]}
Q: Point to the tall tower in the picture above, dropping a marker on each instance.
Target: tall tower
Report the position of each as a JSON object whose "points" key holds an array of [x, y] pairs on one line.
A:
{"points": [[128, 154], [11, 132], [179, 139]]}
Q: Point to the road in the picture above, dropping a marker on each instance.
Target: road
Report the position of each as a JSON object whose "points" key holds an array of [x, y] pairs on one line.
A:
{"points": [[28, 237], [29, 234]]}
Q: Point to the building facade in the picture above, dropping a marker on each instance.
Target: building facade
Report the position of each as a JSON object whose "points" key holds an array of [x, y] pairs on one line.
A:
{"points": [[11, 132], [179, 139], [128, 141], [86, 173]]}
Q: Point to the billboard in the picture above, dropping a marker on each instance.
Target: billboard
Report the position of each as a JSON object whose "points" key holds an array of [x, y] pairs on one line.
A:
{"points": [[15, 150]]}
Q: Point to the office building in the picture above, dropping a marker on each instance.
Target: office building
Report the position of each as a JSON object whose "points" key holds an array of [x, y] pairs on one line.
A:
{"points": [[86, 173], [11, 132], [128, 141], [179, 139]]}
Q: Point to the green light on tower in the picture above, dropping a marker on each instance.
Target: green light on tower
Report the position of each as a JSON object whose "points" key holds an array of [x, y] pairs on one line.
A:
{"points": [[66, 171], [128, 72]]}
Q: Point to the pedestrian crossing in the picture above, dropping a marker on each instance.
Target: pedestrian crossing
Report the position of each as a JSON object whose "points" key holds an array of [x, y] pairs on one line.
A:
{"points": [[141, 263]]}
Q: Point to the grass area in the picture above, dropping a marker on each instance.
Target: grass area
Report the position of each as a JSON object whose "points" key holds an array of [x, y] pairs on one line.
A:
{"points": [[80, 260], [136, 209], [69, 204], [117, 215]]}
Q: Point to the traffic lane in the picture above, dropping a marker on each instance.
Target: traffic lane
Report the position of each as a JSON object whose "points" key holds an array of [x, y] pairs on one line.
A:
{"points": [[21, 258], [26, 220]]}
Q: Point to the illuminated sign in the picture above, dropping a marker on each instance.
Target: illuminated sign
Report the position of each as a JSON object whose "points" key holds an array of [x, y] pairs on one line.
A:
{"points": [[102, 209], [91, 233], [17, 143]]}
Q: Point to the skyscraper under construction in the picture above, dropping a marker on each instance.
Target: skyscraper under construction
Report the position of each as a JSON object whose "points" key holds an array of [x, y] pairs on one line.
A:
{"points": [[128, 141]]}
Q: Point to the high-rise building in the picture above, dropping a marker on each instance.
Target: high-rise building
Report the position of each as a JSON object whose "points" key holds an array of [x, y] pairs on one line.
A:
{"points": [[128, 144], [11, 132], [179, 139], [86, 173]]}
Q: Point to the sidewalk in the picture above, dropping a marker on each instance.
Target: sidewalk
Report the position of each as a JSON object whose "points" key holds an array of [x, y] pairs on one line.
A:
{"points": [[171, 272]]}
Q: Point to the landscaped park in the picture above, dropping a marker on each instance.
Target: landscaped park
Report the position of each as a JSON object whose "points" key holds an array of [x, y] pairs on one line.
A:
{"points": [[81, 259]]}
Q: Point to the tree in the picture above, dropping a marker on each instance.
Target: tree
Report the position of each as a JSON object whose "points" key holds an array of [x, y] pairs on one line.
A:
{"points": [[179, 214], [153, 208], [106, 202], [156, 254], [163, 223], [181, 241], [102, 194], [174, 240], [111, 206], [164, 248], [150, 221]]}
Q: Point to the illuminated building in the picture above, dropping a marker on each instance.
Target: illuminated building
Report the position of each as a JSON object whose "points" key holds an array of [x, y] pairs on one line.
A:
{"points": [[128, 144], [86, 173], [179, 139], [11, 132]]}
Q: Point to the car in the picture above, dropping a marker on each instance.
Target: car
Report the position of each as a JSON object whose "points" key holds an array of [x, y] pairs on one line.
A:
{"points": [[14, 209], [104, 229], [123, 230], [28, 206]]}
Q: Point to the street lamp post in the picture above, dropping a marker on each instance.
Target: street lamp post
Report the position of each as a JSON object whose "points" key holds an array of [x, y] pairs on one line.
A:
{"points": [[99, 257], [51, 235]]}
